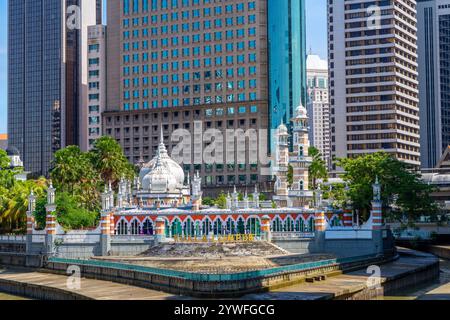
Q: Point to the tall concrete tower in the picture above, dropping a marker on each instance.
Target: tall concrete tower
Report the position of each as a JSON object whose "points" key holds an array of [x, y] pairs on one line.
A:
{"points": [[374, 88]]}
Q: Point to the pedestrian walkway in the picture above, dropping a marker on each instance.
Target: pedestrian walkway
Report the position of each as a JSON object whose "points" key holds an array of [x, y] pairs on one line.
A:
{"points": [[91, 289]]}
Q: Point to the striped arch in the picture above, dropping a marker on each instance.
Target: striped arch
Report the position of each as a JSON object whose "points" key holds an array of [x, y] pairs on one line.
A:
{"points": [[300, 223], [122, 225], [310, 224], [135, 226], [335, 221], [148, 226]]}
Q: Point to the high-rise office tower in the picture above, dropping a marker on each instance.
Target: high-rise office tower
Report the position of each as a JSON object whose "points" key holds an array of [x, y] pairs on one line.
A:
{"points": [[99, 11], [433, 26], [96, 91], [203, 65], [373, 78], [319, 106], [47, 51]]}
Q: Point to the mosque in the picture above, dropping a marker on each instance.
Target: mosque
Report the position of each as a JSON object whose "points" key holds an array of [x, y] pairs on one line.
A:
{"points": [[163, 191]]}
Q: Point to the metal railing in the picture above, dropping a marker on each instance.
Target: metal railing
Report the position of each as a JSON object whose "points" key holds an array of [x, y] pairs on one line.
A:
{"points": [[78, 238], [128, 238], [214, 277], [13, 238], [292, 235]]}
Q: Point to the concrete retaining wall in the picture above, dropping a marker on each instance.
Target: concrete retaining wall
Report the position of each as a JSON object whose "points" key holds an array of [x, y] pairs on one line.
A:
{"points": [[38, 292], [130, 248], [201, 289], [440, 251]]}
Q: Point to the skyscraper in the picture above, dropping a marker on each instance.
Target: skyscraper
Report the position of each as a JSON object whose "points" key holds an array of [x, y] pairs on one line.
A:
{"points": [[374, 78], [434, 78], [96, 91], [46, 52], [203, 65], [318, 105]]}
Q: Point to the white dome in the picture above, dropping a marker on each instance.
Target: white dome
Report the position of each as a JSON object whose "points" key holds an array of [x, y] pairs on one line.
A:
{"points": [[301, 112], [282, 130], [162, 173], [160, 180]]}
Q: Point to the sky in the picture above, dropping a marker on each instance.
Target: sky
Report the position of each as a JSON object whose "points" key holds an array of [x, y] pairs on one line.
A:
{"points": [[316, 42]]}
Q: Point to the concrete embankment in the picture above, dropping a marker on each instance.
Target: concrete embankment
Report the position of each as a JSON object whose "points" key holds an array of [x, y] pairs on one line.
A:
{"points": [[212, 285], [45, 286], [440, 251], [411, 269]]}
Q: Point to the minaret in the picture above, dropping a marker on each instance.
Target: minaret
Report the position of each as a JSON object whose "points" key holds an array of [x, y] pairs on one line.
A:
{"points": [[300, 194], [282, 167]]}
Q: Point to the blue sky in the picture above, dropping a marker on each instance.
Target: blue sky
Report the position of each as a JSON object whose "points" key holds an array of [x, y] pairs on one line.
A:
{"points": [[316, 41]]}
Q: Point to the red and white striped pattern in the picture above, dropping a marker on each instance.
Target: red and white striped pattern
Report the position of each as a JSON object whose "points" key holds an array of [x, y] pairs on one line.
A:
{"points": [[377, 216], [105, 223], [50, 224], [111, 224], [348, 218], [320, 221], [265, 224], [30, 224], [160, 227]]}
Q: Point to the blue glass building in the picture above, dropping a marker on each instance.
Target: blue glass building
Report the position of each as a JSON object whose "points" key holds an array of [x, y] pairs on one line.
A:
{"points": [[44, 65], [287, 59]]}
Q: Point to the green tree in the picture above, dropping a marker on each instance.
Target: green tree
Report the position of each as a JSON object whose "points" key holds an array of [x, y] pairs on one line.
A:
{"points": [[69, 214], [109, 160], [13, 215], [337, 194], [318, 169], [208, 201], [221, 201], [402, 189], [73, 172], [4, 160]]}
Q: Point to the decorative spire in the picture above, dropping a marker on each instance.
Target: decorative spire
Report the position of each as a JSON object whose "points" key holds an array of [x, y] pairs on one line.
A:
{"points": [[51, 194]]}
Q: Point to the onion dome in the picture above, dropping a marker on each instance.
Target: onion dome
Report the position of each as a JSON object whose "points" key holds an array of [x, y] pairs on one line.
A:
{"points": [[162, 170], [283, 130], [301, 112], [12, 151]]}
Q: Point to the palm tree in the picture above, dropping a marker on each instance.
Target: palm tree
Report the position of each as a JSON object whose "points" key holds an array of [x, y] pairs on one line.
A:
{"points": [[317, 169], [108, 159], [13, 215]]}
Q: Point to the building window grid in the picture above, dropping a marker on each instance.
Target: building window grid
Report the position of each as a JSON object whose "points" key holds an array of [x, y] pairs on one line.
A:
{"points": [[234, 40]]}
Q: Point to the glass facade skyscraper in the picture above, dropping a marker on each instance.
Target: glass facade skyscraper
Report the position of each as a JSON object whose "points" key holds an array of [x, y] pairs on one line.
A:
{"points": [[44, 78], [287, 59], [434, 79]]}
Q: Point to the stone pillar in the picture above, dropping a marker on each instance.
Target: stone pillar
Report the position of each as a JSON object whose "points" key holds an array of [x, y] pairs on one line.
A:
{"points": [[30, 222], [112, 224], [320, 222], [105, 238], [348, 217], [160, 230], [377, 226], [320, 225], [265, 228], [50, 221], [50, 228], [376, 214]]}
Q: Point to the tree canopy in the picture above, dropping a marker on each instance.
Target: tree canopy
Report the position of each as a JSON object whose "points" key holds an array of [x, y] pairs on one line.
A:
{"points": [[404, 194], [14, 196]]}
